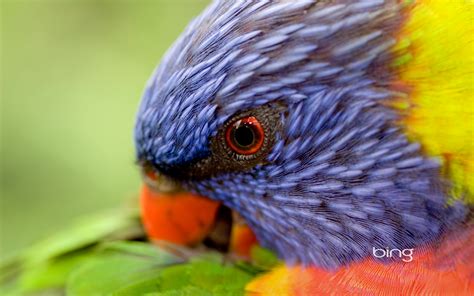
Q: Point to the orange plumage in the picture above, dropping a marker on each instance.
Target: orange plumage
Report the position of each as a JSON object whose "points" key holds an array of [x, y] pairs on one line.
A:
{"points": [[440, 270]]}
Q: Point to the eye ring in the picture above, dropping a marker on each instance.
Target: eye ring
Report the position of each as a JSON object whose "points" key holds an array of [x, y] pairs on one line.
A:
{"points": [[245, 135]]}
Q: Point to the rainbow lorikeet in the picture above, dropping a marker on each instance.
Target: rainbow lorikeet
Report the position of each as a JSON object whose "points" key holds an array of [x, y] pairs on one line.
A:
{"points": [[340, 131], [324, 147]]}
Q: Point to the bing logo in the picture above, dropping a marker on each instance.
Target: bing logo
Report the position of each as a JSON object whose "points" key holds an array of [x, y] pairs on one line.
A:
{"points": [[406, 254]]}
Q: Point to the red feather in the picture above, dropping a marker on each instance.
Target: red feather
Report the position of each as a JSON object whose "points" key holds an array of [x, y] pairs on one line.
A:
{"points": [[444, 269]]}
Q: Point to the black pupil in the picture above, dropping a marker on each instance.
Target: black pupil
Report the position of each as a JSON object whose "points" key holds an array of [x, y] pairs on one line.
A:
{"points": [[244, 136]]}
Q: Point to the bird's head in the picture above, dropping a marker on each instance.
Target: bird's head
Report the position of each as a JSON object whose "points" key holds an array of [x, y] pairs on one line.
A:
{"points": [[281, 111]]}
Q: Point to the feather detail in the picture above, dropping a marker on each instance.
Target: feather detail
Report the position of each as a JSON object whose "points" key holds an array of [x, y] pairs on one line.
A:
{"points": [[435, 61], [441, 270]]}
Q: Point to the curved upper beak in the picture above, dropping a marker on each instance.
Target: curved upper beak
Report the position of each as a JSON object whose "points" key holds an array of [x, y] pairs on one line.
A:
{"points": [[171, 214]]}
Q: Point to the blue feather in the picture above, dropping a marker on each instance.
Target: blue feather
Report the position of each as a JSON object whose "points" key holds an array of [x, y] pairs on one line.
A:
{"points": [[341, 176]]}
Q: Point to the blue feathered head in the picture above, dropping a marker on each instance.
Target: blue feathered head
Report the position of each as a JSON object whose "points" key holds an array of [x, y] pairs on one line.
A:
{"points": [[278, 109]]}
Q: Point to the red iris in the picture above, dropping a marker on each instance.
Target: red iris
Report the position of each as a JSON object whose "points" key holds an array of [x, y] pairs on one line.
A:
{"points": [[245, 135]]}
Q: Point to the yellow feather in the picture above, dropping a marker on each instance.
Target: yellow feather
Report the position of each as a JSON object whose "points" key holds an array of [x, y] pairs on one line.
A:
{"points": [[436, 60], [276, 282]]}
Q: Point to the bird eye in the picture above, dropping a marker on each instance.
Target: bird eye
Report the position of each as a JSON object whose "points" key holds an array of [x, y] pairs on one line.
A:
{"points": [[245, 135], [241, 142]]}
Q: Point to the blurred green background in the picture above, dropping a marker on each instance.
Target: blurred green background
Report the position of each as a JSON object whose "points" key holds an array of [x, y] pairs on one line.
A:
{"points": [[72, 74]]}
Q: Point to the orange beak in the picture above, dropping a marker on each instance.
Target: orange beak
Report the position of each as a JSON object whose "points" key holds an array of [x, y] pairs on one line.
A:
{"points": [[178, 217]]}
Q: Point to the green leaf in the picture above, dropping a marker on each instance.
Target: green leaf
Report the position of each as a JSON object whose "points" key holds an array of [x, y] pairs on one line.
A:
{"points": [[132, 268], [51, 275], [119, 265], [48, 277], [263, 258], [89, 260], [193, 278], [45, 266], [84, 233], [183, 291]]}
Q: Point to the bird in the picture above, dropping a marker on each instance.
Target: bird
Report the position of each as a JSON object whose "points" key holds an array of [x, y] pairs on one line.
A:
{"points": [[333, 128], [301, 147]]}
